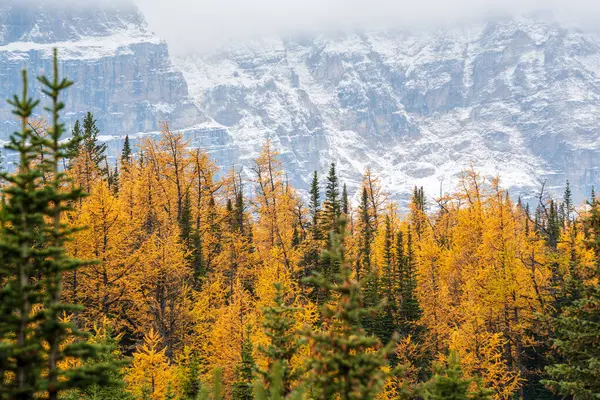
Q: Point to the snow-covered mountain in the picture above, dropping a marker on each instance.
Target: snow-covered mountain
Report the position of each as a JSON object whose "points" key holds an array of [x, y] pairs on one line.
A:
{"points": [[516, 97], [122, 71]]}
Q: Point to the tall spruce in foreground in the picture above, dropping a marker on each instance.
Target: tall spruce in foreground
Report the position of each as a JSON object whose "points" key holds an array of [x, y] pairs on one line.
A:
{"points": [[345, 360], [20, 263], [35, 336]]}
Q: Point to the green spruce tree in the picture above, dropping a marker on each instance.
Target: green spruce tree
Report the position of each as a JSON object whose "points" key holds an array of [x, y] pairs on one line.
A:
{"points": [[185, 221], [21, 262], [110, 354], [410, 309], [239, 210], [191, 386], [363, 263], [345, 202], [75, 140], [315, 207], [449, 383], [90, 142], [126, 153], [345, 360], [386, 321], [577, 374], [278, 325], [34, 336], [242, 388], [332, 203]]}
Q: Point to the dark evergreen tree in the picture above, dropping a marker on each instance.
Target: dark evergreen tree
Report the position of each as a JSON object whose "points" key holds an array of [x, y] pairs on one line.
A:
{"points": [[191, 386], [197, 258], [410, 309], [332, 204], [345, 202], [21, 258], [242, 388], [387, 324], [365, 235], [399, 269], [230, 215], [315, 207], [568, 204], [373, 298], [170, 393], [75, 140], [575, 371], [126, 153], [311, 262], [278, 325], [449, 383], [34, 336], [240, 210], [185, 222], [215, 229], [113, 180], [553, 225], [592, 232], [577, 374], [341, 363], [418, 210], [110, 353], [296, 238], [96, 151]]}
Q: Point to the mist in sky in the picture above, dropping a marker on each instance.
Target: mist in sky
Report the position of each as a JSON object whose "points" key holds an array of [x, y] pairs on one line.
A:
{"points": [[199, 25]]}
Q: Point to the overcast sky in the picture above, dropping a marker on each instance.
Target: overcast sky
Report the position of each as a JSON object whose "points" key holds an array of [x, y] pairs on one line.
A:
{"points": [[200, 24]]}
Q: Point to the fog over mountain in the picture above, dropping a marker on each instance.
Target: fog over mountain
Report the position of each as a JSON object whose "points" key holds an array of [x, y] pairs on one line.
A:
{"points": [[205, 24], [415, 92]]}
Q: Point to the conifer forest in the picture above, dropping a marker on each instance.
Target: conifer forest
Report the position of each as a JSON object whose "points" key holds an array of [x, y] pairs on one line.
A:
{"points": [[160, 277]]}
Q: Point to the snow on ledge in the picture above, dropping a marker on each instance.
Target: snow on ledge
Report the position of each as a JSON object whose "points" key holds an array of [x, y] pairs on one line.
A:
{"points": [[86, 48]]}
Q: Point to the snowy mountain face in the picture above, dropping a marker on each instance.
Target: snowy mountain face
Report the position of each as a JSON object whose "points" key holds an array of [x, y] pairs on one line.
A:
{"points": [[518, 98], [122, 71]]}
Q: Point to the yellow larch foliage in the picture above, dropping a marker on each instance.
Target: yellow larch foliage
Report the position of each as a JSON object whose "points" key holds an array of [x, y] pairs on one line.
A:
{"points": [[163, 298], [276, 203], [150, 372], [475, 282], [105, 288], [226, 334]]}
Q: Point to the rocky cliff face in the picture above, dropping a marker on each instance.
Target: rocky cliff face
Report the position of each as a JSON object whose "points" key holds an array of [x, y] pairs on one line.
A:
{"points": [[122, 71], [519, 98]]}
